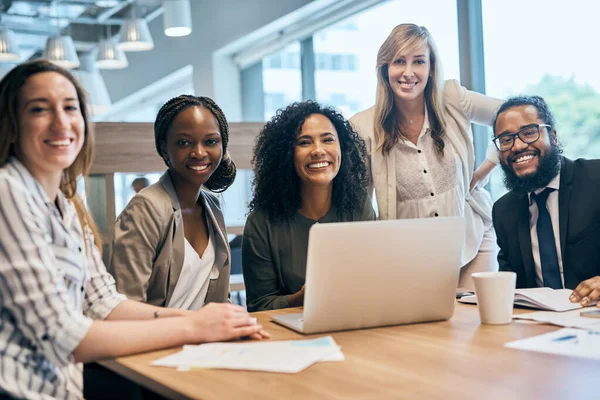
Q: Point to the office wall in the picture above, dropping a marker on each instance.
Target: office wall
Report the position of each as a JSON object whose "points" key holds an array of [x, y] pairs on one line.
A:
{"points": [[215, 23]]}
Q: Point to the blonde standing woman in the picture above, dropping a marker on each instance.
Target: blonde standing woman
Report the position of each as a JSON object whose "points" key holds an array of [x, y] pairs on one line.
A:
{"points": [[58, 305], [420, 144]]}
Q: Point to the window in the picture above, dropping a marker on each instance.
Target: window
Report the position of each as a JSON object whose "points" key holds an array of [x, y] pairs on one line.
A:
{"points": [[234, 200], [123, 189], [292, 61], [348, 26], [351, 62], [323, 61], [274, 101], [273, 61], [343, 103], [283, 60], [346, 52], [557, 64], [282, 83], [336, 62]]}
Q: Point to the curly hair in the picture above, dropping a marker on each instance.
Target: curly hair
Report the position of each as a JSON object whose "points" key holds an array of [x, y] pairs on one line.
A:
{"points": [[224, 175], [276, 183]]}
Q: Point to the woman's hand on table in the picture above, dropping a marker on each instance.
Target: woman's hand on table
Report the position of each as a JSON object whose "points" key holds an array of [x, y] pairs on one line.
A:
{"points": [[217, 322]]}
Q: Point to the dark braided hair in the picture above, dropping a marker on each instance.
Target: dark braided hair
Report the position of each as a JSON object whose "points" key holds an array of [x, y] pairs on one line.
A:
{"points": [[276, 182], [225, 173]]}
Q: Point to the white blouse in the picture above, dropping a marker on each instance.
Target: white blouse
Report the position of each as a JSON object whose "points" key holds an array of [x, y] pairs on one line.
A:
{"points": [[196, 273], [461, 108], [427, 183]]}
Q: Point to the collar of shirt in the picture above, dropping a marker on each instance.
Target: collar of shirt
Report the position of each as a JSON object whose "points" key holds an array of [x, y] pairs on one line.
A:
{"points": [[424, 131], [330, 216], [40, 195], [553, 184]]}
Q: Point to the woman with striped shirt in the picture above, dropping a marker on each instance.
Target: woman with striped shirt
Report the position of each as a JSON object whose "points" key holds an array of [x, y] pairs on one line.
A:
{"points": [[58, 305]]}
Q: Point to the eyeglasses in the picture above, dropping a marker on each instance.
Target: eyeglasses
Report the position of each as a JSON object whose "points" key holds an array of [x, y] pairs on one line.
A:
{"points": [[529, 134]]}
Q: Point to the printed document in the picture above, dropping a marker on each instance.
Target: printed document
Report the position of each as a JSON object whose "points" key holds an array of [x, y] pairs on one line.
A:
{"points": [[289, 356], [569, 319], [539, 298], [567, 342]]}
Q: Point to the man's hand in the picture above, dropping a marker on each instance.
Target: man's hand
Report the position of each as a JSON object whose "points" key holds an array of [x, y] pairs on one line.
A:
{"points": [[587, 292]]}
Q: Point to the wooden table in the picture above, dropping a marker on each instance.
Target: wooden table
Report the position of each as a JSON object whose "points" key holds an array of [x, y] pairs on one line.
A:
{"points": [[455, 359]]}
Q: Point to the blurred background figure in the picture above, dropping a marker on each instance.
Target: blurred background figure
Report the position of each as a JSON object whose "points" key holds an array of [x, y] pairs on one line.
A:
{"points": [[140, 183]]}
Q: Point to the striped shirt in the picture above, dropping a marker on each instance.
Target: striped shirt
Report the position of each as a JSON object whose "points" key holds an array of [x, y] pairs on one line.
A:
{"points": [[53, 283]]}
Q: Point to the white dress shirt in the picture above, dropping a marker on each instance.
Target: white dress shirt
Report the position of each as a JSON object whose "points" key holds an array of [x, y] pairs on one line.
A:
{"points": [[552, 206]]}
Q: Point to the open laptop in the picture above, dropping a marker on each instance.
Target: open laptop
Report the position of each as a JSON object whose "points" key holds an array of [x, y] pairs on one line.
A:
{"points": [[377, 273]]}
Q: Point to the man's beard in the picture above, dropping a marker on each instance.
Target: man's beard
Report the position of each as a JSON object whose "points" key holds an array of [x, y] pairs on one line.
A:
{"points": [[548, 168]]}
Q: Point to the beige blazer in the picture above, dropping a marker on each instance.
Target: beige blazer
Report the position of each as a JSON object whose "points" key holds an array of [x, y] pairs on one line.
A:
{"points": [[149, 246], [461, 108]]}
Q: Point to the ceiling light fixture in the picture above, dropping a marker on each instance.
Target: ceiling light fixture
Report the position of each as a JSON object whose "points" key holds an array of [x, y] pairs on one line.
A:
{"points": [[177, 18], [94, 86], [9, 47], [135, 35], [110, 55], [60, 49]]}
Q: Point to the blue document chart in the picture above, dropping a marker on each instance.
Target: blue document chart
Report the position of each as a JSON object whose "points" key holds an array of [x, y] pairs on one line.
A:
{"points": [[566, 342]]}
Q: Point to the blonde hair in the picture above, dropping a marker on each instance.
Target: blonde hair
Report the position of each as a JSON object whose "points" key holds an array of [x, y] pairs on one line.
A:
{"points": [[10, 89], [403, 39]]}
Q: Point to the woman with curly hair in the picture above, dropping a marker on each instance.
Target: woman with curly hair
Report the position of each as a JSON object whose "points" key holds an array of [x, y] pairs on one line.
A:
{"points": [[170, 246], [309, 168]]}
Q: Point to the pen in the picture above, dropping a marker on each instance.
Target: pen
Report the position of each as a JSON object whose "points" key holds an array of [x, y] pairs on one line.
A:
{"points": [[565, 338]]}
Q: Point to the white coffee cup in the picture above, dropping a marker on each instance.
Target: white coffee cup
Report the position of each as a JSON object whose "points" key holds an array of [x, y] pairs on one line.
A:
{"points": [[495, 296]]}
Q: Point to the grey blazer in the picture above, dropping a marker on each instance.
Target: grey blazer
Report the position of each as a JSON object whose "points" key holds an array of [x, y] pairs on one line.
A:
{"points": [[149, 245]]}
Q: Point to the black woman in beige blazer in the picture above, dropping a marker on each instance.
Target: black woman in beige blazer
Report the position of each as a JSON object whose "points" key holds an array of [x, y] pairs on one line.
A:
{"points": [[148, 247], [151, 248]]}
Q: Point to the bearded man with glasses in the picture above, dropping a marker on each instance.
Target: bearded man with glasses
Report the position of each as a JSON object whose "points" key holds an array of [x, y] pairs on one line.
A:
{"points": [[548, 224]]}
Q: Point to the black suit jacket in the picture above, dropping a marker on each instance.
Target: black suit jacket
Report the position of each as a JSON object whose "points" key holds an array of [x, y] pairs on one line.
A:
{"points": [[579, 222]]}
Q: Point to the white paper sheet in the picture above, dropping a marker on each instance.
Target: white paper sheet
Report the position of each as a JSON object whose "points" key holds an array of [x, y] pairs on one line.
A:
{"points": [[567, 341], [570, 319], [290, 356]]}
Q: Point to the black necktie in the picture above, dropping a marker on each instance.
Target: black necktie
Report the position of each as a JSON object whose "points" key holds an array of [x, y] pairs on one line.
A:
{"points": [[547, 245]]}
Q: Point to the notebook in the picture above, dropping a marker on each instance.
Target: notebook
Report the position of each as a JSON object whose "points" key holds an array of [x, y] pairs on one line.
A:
{"points": [[538, 298]]}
